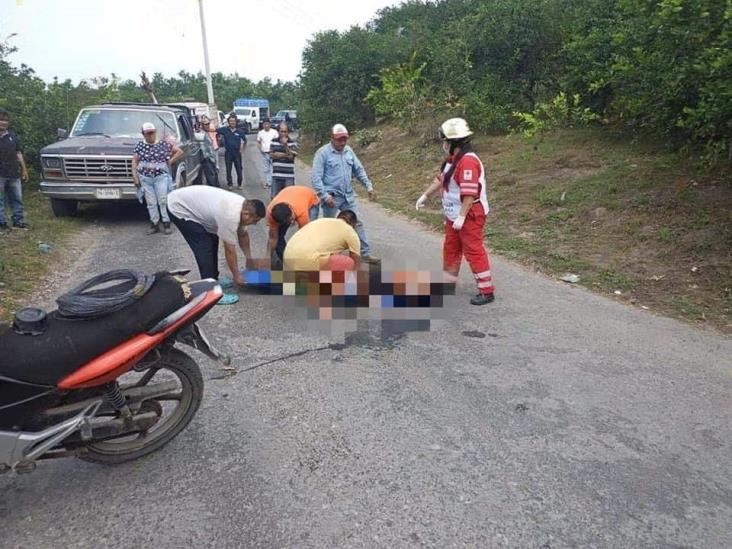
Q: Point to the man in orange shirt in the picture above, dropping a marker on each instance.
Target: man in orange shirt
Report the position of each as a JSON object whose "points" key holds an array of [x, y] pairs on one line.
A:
{"points": [[294, 204]]}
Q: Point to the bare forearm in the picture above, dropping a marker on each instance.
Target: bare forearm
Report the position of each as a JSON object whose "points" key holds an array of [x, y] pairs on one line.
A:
{"points": [[433, 188], [466, 205], [271, 245], [245, 245], [21, 161], [231, 260]]}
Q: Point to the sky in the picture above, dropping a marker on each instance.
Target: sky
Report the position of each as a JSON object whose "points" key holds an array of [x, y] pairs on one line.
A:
{"points": [[81, 39]]}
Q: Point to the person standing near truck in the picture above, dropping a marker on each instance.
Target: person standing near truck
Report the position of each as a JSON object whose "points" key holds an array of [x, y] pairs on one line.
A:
{"points": [[209, 153], [151, 168], [12, 171], [283, 151], [235, 139], [264, 140]]}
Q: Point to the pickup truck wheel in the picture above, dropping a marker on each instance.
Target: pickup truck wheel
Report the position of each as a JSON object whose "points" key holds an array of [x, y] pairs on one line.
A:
{"points": [[64, 208]]}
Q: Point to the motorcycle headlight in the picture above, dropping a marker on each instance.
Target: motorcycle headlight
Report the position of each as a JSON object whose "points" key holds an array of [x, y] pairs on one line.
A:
{"points": [[51, 162]]}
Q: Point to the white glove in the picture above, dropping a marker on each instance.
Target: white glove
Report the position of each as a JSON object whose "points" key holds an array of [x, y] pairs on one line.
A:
{"points": [[420, 202], [458, 223]]}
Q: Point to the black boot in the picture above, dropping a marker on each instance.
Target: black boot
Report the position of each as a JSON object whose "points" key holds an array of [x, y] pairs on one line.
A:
{"points": [[482, 299], [166, 228], [154, 228]]}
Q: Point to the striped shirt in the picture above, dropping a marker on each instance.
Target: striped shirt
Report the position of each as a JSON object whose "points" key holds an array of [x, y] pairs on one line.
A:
{"points": [[283, 168]]}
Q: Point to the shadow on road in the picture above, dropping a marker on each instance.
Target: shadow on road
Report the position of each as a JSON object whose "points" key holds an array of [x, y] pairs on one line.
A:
{"points": [[114, 213]]}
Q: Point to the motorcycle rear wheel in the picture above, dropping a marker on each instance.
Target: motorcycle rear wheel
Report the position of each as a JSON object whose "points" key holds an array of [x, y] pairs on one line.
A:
{"points": [[184, 368]]}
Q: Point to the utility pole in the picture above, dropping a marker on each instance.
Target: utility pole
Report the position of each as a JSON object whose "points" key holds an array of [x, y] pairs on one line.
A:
{"points": [[209, 86]]}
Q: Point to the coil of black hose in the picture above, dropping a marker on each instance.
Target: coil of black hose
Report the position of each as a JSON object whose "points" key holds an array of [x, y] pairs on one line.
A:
{"points": [[85, 302]]}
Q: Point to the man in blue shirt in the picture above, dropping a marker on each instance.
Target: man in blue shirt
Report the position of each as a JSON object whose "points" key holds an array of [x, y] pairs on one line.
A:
{"points": [[334, 166], [235, 140]]}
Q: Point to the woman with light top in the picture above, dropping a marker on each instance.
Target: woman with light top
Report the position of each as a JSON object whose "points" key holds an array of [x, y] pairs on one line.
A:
{"points": [[151, 169]]}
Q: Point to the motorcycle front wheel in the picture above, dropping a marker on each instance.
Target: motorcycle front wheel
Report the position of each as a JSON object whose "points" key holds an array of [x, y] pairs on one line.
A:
{"points": [[170, 413]]}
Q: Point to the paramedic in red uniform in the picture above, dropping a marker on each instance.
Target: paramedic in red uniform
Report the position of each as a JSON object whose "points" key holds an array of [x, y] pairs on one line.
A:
{"points": [[465, 205]]}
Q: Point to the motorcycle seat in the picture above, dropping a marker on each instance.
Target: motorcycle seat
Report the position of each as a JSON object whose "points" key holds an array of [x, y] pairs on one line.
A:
{"points": [[67, 345]]}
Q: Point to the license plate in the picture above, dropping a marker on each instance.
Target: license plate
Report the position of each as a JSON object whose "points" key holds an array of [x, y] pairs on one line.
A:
{"points": [[108, 194]]}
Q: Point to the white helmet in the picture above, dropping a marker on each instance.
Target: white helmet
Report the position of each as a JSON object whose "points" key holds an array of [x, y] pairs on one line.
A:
{"points": [[455, 129]]}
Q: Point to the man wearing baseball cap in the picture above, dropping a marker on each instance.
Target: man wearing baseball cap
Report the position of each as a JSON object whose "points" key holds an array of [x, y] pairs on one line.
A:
{"points": [[151, 169], [334, 166]]}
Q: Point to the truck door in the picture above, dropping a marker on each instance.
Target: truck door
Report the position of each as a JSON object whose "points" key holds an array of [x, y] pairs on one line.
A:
{"points": [[191, 148]]}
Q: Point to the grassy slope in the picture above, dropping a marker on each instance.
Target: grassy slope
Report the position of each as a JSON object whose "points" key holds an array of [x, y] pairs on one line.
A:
{"points": [[22, 264], [623, 217]]}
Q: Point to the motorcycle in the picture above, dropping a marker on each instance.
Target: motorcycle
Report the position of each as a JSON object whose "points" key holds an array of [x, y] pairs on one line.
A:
{"points": [[106, 390]]}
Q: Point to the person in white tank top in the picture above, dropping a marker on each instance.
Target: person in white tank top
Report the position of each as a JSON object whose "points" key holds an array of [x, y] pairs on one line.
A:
{"points": [[462, 184]]}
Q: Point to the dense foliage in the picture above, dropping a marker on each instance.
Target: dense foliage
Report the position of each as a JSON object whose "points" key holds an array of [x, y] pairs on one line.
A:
{"points": [[663, 67], [39, 108]]}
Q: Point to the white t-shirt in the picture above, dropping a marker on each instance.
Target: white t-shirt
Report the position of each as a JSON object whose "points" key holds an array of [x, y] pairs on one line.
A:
{"points": [[266, 137], [219, 211]]}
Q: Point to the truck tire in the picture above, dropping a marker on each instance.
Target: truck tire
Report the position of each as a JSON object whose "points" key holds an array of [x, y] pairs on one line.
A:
{"points": [[64, 208]]}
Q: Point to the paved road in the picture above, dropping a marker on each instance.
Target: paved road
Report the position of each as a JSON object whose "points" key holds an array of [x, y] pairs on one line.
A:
{"points": [[573, 422]]}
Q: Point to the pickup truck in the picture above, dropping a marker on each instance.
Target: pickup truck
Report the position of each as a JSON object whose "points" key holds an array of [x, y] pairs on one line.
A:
{"points": [[93, 163], [288, 116]]}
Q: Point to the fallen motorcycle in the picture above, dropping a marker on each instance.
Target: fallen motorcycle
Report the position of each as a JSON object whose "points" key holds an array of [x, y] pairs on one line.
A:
{"points": [[107, 388]]}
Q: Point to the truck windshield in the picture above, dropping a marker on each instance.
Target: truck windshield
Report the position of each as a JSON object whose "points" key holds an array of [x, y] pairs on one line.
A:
{"points": [[123, 123], [241, 111]]}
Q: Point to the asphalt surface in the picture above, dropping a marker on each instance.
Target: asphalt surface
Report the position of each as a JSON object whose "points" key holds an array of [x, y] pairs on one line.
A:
{"points": [[550, 418]]}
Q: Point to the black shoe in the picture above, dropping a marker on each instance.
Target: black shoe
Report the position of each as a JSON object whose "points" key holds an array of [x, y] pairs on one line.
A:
{"points": [[166, 228], [229, 184], [4, 227], [482, 299], [21, 225], [154, 228]]}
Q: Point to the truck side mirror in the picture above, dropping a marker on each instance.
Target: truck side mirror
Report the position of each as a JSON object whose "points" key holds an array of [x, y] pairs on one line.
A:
{"points": [[61, 134]]}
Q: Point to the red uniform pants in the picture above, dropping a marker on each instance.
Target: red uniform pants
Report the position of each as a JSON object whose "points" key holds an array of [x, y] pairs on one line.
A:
{"points": [[468, 241]]}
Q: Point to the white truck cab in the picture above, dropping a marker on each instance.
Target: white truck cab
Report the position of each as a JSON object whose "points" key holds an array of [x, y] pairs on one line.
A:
{"points": [[251, 113]]}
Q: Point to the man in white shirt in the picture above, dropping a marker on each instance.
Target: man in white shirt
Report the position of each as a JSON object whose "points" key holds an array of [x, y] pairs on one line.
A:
{"points": [[204, 214], [264, 140]]}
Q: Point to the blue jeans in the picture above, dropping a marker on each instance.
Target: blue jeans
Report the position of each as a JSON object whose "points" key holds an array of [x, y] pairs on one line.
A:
{"points": [[348, 203], [279, 183], [267, 168], [156, 190], [12, 188]]}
